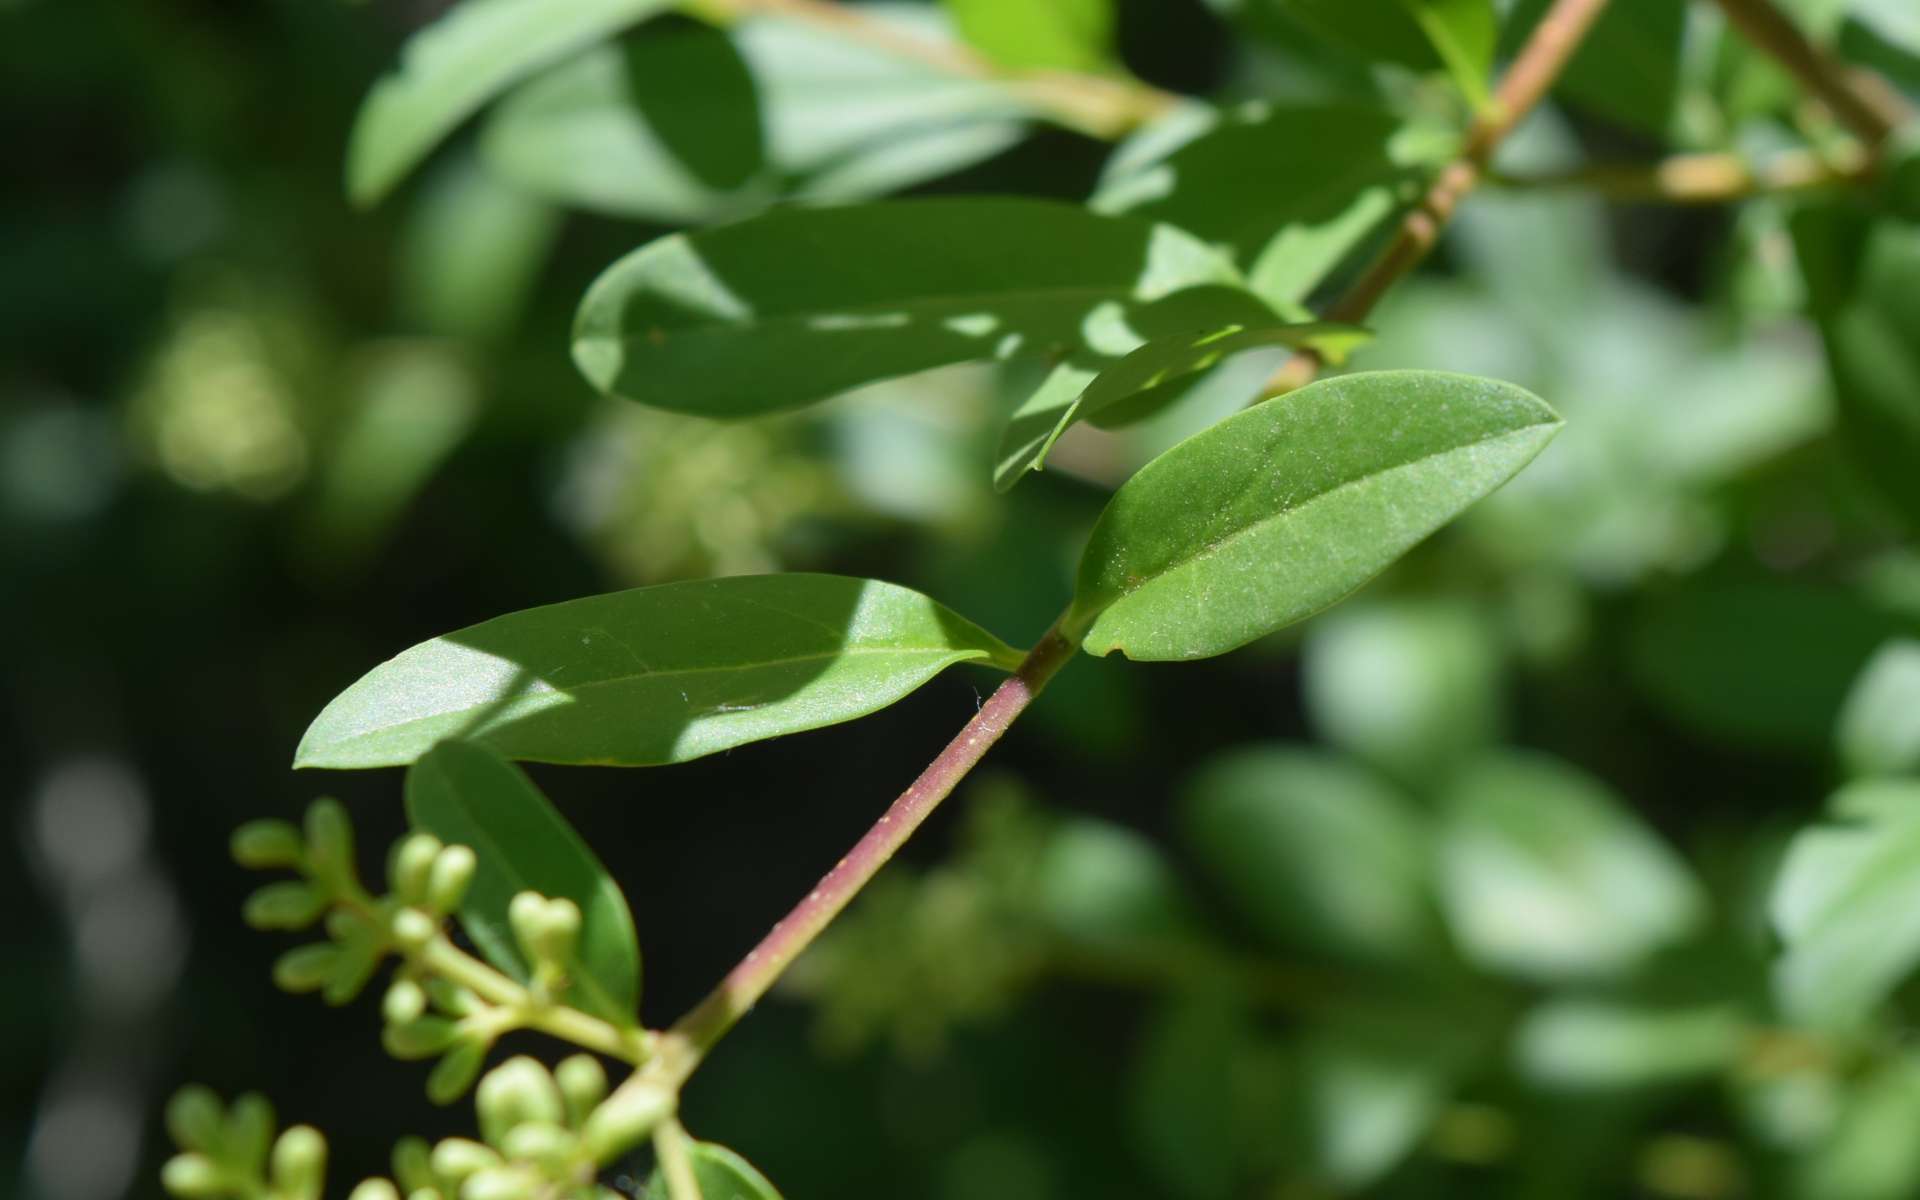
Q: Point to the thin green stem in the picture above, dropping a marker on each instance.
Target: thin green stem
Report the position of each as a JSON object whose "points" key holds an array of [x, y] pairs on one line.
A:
{"points": [[1705, 178], [670, 1143]]}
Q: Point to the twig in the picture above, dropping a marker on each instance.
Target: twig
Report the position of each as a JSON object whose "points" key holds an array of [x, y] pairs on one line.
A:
{"points": [[1703, 178], [1860, 100], [670, 1145], [1532, 72]]}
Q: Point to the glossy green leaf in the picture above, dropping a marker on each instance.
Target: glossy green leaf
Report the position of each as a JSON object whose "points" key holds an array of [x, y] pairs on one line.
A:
{"points": [[1846, 905], [1879, 730], [1544, 873], [1296, 185], [1863, 286], [654, 675], [803, 303], [721, 1174], [1183, 335], [452, 67], [1284, 509], [1038, 35], [1463, 34], [1629, 66], [1315, 852], [1594, 1045], [466, 795], [1413, 687], [685, 123]]}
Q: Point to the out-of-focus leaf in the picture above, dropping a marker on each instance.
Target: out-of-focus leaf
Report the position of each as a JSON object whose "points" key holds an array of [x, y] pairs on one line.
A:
{"points": [[473, 248], [1847, 905], [1879, 732], [466, 795], [1099, 884], [766, 105], [1413, 687], [1280, 511], [1183, 1101], [1628, 68], [1315, 852], [1694, 652], [1368, 1105], [1038, 35], [1463, 34], [1298, 186], [653, 675], [452, 67], [1545, 874], [1871, 1153], [1397, 30], [1595, 1045], [721, 1174], [1863, 285], [800, 304]]}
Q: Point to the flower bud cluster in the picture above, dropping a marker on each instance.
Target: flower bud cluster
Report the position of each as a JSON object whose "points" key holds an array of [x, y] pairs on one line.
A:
{"points": [[233, 1152]]}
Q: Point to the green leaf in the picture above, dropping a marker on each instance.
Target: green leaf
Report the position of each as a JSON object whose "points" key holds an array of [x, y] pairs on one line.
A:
{"points": [[1544, 873], [1315, 852], [1869, 1154], [1099, 884], [1299, 185], [474, 247], [1375, 31], [1411, 686], [654, 675], [452, 67], [466, 795], [800, 304], [1464, 34], [721, 1174], [1368, 1102], [1879, 732], [1628, 68], [1846, 905], [1863, 286], [1596, 1045], [1284, 509], [1202, 326], [1038, 35], [1183, 1110]]}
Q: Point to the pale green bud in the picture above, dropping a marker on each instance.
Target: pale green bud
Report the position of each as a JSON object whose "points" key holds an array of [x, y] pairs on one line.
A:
{"points": [[500, 1183], [193, 1118], [453, 1074], [249, 1132], [447, 882], [261, 845], [192, 1177], [411, 865], [291, 904], [421, 1038], [546, 929], [454, 1159], [306, 968], [359, 958], [374, 1189], [626, 1118], [404, 1002], [330, 842], [413, 1164], [413, 929], [451, 998], [516, 1091], [299, 1163], [583, 1084], [543, 1143]]}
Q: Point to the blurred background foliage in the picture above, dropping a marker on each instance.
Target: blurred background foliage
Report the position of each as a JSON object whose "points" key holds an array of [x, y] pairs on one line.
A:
{"points": [[1579, 855]]}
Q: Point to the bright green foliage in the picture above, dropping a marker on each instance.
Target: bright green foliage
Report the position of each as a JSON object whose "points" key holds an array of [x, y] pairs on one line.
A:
{"points": [[1418, 33], [460, 62], [1274, 514], [1545, 874], [721, 1174], [465, 794], [1061, 35], [653, 675], [1594, 1045], [1315, 852], [1845, 905], [1629, 69], [800, 304], [1879, 730]]}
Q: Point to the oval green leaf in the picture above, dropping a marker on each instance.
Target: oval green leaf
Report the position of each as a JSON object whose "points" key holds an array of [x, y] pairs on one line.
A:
{"points": [[800, 304], [466, 795], [721, 1174], [654, 675], [1282, 510], [452, 67]]}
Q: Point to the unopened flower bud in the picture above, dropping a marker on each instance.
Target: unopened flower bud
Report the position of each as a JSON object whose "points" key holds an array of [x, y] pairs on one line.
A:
{"points": [[500, 1183], [421, 1038], [359, 958], [628, 1116], [413, 929], [453, 1074], [451, 998], [330, 842], [299, 1163], [583, 1084], [454, 1159], [447, 882], [413, 1164], [262, 845], [543, 1143], [411, 865], [193, 1118], [404, 1002], [249, 1132], [305, 968], [192, 1177], [546, 929], [514, 1092], [292, 904], [374, 1189]]}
